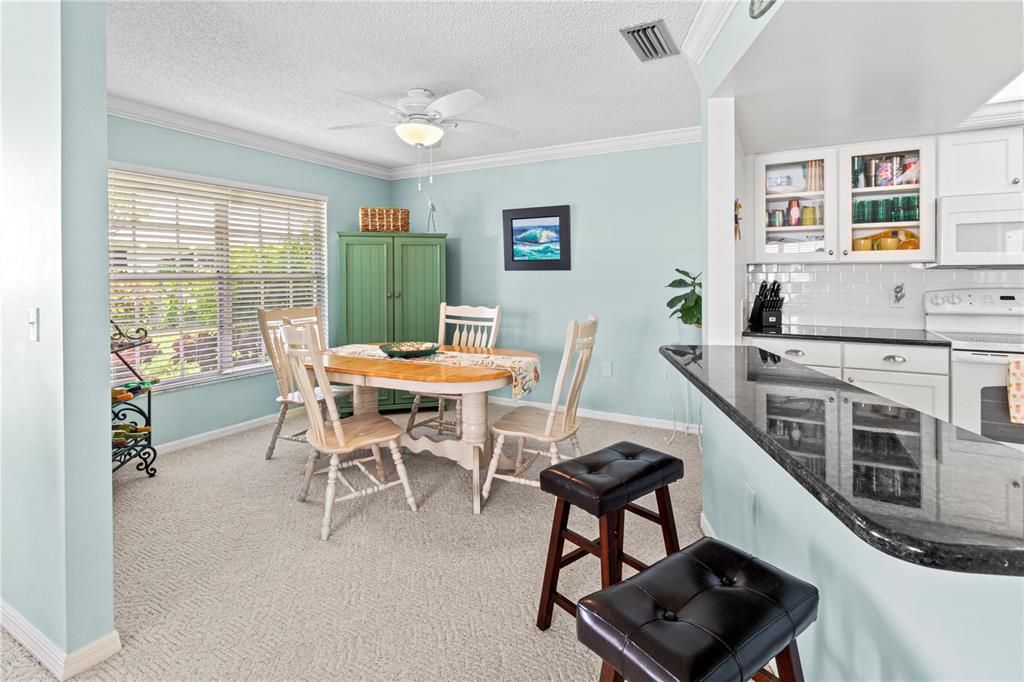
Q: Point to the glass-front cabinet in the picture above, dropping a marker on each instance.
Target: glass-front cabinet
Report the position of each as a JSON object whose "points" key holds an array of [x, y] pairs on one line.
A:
{"points": [[886, 201], [805, 421], [795, 216], [887, 456]]}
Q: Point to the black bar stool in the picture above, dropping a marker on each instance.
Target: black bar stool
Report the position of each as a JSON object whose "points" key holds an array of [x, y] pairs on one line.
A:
{"points": [[604, 483], [709, 612]]}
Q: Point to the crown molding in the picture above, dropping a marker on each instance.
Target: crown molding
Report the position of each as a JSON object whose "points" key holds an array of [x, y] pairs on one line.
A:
{"points": [[711, 17], [661, 138], [995, 114], [145, 113]]}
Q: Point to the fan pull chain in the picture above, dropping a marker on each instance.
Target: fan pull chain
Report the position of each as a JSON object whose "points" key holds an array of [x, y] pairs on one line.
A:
{"points": [[431, 181], [419, 168]]}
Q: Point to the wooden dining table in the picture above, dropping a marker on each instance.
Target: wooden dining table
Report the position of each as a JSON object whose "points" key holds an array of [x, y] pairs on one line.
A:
{"points": [[473, 450]]}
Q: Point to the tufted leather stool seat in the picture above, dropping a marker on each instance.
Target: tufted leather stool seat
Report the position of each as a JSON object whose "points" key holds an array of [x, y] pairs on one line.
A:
{"points": [[709, 612], [605, 483], [608, 479]]}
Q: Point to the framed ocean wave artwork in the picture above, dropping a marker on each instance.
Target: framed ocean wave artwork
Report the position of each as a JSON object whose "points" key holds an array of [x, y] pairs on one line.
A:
{"points": [[537, 238]]}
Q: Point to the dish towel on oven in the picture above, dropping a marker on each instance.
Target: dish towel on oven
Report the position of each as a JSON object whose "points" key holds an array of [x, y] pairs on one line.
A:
{"points": [[1015, 390], [525, 370]]}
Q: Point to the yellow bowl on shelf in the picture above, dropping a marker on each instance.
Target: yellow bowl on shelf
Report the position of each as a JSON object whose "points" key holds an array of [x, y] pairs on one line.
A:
{"points": [[888, 243], [862, 244]]}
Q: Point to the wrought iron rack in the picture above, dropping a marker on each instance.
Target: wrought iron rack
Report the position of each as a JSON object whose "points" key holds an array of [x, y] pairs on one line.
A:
{"points": [[131, 411]]}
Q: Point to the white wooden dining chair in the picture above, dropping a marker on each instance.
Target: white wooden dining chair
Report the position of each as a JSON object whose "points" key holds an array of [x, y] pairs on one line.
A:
{"points": [[472, 326], [271, 321], [331, 435], [551, 426]]}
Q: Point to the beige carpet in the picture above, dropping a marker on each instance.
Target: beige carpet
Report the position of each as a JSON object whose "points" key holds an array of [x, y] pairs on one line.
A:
{"points": [[221, 573]]}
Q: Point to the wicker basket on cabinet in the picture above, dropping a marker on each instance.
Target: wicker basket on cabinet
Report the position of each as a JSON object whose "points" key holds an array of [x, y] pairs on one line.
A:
{"points": [[383, 219]]}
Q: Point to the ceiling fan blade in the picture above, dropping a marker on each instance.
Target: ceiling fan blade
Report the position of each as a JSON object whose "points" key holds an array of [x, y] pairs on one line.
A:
{"points": [[364, 124], [455, 103], [483, 129], [351, 96]]}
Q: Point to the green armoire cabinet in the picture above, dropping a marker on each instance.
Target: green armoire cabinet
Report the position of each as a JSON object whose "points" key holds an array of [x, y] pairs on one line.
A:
{"points": [[392, 285]]}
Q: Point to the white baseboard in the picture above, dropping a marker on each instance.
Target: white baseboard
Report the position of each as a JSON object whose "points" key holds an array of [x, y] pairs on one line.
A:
{"points": [[62, 665], [705, 526], [619, 417], [199, 438]]}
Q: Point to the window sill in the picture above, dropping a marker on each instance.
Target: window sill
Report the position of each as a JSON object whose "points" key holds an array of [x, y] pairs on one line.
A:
{"points": [[219, 379]]}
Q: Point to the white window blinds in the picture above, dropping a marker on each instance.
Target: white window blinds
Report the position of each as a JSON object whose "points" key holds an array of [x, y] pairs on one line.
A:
{"points": [[193, 261]]}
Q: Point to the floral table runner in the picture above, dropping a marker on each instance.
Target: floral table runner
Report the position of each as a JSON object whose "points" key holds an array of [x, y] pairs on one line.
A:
{"points": [[525, 371]]}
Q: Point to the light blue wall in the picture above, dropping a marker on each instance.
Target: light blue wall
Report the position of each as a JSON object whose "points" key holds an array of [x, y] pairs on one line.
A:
{"points": [[633, 219], [57, 542], [880, 618], [186, 412], [88, 495], [31, 456]]}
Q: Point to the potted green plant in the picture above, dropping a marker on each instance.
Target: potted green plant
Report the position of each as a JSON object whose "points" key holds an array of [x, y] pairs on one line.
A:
{"points": [[686, 305]]}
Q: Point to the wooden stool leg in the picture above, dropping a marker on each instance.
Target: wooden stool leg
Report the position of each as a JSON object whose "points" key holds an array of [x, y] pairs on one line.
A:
{"points": [[609, 673], [611, 557], [788, 663], [620, 534], [668, 520], [552, 568]]}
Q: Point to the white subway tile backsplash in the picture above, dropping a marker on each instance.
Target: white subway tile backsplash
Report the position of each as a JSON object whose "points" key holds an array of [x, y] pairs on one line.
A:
{"points": [[858, 294]]}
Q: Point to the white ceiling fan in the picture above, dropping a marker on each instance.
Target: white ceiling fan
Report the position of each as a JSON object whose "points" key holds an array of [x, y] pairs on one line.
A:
{"points": [[421, 120]]}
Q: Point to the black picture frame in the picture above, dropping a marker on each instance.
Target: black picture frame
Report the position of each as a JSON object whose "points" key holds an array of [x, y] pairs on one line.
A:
{"points": [[509, 218]]}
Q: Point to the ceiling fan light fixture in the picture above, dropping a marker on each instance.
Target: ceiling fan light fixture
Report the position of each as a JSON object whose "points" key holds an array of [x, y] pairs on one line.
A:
{"points": [[419, 134]]}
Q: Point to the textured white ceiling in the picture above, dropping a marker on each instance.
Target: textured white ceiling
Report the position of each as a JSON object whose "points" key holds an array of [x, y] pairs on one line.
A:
{"points": [[558, 71]]}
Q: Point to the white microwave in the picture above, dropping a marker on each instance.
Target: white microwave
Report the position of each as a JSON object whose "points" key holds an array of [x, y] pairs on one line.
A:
{"points": [[982, 230]]}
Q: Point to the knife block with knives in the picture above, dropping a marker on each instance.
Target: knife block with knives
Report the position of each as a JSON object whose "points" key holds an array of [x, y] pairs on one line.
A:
{"points": [[766, 311]]}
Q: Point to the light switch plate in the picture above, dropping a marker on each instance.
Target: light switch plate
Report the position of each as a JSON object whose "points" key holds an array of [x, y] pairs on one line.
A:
{"points": [[606, 369], [33, 324]]}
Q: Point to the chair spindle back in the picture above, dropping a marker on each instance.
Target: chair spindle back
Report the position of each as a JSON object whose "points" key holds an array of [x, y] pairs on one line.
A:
{"points": [[473, 326], [271, 321], [301, 346], [579, 346]]}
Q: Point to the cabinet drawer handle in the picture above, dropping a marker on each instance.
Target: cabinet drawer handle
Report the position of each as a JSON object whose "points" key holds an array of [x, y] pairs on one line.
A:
{"points": [[398, 294], [1016, 181], [845, 252], [795, 352], [1016, 484], [850, 379], [898, 359], [387, 295]]}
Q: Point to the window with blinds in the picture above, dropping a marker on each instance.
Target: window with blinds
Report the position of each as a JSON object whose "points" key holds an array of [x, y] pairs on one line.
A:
{"points": [[193, 261]]}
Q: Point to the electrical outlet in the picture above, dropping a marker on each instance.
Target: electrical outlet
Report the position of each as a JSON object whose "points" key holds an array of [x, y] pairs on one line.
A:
{"points": [[606, 369], [33, 324], [898, 295]]}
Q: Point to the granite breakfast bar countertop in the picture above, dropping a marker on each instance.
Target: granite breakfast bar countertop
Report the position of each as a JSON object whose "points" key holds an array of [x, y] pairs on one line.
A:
{"points": [[871, 463], [912, 337]]}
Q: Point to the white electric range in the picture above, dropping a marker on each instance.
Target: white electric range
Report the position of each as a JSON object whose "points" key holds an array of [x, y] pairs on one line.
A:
{"points": [[985, 328]]}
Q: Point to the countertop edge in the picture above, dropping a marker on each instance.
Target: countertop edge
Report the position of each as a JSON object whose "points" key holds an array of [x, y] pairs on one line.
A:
{"points": [[810, 336], [930, 554]]}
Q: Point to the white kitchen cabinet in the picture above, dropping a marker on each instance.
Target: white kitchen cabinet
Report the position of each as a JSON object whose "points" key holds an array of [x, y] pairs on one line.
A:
{"points": [[886, 197], [887, 457], [928, 393], [981, 162], [803, 181], [895, 357], [985, 229], [804, 421], [982, 493], [819, 353]]}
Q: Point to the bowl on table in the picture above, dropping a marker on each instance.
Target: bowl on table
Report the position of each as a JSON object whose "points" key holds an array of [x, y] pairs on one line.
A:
{"points": [[409, 349]]}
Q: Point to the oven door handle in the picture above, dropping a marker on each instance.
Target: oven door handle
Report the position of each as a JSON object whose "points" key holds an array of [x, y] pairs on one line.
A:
{"points": [[982, 358]]}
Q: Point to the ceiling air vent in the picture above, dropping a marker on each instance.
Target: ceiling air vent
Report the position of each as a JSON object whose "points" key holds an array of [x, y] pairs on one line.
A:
{"points": [[650, 41]]}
